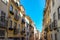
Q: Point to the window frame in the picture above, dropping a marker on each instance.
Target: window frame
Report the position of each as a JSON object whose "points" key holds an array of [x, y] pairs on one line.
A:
{"points": [[53, 3], [10, 23], [3, 16], [55, 36], [58, 13], [11, 8]]}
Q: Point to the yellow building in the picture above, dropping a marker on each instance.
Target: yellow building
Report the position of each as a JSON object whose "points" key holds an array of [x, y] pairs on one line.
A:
{"points": [[46, 20], [13, 31], [22, 28]]}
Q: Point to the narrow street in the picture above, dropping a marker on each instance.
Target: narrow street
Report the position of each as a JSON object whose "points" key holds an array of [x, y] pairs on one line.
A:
{"points": [[29, 19]]}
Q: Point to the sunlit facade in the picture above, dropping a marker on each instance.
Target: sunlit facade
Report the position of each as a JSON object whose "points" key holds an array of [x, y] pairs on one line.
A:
{"points": [[46, 21], [14, 23]]}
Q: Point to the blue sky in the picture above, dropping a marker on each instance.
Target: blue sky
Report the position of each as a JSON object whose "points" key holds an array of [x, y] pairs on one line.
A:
{"points": [[34, 8]]}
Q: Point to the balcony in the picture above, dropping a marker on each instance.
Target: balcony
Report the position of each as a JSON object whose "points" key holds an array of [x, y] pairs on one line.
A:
{"points": [[55, 24], [32, 32], [16, 17], [15, 31], [3, 24], [46, 29], [30, 26], [22, 31], [23, 21], [11, 12], [15, 3], [50, 27], [45, 35], [10, 28]]}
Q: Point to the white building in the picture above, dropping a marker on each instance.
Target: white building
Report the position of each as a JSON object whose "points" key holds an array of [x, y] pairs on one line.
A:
{"points": [[55, 19]]}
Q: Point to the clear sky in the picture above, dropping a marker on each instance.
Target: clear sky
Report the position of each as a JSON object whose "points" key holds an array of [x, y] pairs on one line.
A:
{"points": [[34, 8]]}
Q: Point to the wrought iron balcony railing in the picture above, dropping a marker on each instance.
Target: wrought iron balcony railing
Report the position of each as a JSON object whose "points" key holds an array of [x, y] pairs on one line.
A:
{"points": [[23, 21], [16, 31], [55, 24], [50, 27], [22, 31], [16, 17], [3, 24], [11, 12], [46, 29], [45, 35], [10, 28]]}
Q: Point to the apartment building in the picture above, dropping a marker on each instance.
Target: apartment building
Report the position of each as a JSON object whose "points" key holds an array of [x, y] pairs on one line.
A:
{"points": [[27, 28], [55, 19], [53, 30], [46, 20], [37, 35], [42, 35], [31, 29], [22, 28], [3, 19], [13, 29], [14, 24], [35, 32]]}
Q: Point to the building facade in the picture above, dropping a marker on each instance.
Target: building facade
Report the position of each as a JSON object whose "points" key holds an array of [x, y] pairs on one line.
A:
{"points": [[13, 20], [3, 19], [55, 16], [14, 23], [53, 30], [46, 21]]}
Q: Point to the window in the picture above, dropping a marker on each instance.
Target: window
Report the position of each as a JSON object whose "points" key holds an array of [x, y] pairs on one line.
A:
{"points": [[18, 27], [59, 13], [11, 8], [2, 33], [26, 24], [15, 28], [55, 36], [54, 16], [10, 23], [16, 4], [15, 24], [27, 33], [51, 37], [16, 11], [2, 16], [52, 2]]}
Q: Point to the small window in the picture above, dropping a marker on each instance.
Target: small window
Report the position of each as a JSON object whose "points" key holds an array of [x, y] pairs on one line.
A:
{"points": [[11, 8], [52, 2], [10, 23], [2, 16], [15, 24], [18, 27], [54, 16], [51, 37], [55, 36], [16, 11], [59, 13], [2, 33]]}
